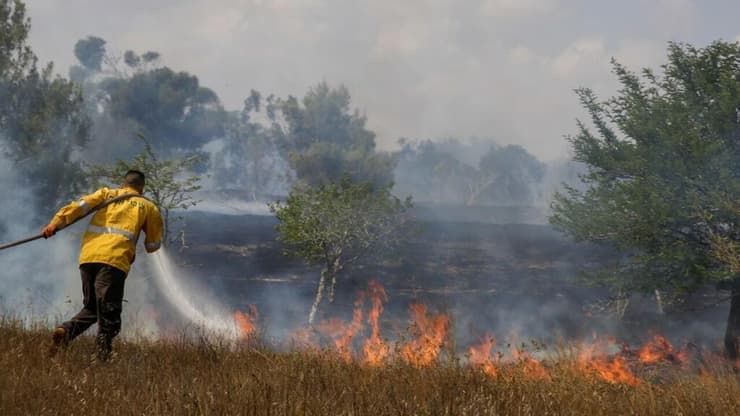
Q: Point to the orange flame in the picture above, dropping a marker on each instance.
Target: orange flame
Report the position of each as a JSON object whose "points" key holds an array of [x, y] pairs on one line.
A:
{"points": [[659, 350], [247, 322], [480, 356], [343, 333], [376, 350], [430, 333], [614, 370], [304, 339], [531, 367]]}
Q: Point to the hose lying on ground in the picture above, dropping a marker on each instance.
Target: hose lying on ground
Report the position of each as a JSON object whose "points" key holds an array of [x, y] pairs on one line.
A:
{"points": [[92, 210]]}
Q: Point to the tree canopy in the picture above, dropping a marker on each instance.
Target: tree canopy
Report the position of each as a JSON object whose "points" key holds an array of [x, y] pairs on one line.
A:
{"points": [[249, 157], [325, 139], [338, 223], [664, 172], [455, 172], [170, 107], [169, 182], [90, 52], [42, 117], [132, 93]]}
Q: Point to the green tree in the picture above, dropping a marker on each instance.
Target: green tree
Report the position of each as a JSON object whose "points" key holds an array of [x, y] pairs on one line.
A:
{"points": [[90, 52], [168, 181], [663, 155], [42, 117], [444, 171], [16, 57], [131, 59], [508, 174], [170, 106], [432, 174], [324, 139], [132, 93], [336, 224]]}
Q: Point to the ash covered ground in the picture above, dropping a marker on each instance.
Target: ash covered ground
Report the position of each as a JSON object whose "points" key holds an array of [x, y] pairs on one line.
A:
{"points": [[490, 271]]}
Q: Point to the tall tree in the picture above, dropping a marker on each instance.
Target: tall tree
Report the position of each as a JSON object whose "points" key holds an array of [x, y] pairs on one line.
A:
{"points": [[432, 174], [170, 106], [445, 172], [249, 159], [130, 94], [508, 174], [42, 118], [663, 158], [90, 52], [325, 139]]}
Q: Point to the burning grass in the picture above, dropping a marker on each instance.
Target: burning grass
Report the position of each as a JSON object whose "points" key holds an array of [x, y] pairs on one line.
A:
{"points": [[348, 367], [198, 376]]}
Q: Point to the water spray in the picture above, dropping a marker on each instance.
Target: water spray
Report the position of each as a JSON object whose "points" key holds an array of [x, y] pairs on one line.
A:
{"points": [[208, 314], [211, 316]]}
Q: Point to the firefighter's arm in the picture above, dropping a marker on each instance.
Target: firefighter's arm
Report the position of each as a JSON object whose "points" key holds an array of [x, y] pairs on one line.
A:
{"points": [[67, 214], [153, 228]]}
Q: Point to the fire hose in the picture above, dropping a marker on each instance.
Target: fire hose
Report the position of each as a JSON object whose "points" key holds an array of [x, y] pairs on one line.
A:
{"points": [[92, 210]]}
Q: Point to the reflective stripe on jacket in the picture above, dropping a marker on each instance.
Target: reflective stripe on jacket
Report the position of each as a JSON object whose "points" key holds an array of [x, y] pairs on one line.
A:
{"points": [[113, 231]]}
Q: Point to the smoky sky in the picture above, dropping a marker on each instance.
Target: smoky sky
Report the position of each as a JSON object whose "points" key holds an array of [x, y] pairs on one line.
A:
{"points": [[496, 69]]}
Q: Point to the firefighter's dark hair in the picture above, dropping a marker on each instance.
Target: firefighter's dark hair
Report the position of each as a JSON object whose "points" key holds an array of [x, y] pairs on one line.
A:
{"points": [[135, 179]]}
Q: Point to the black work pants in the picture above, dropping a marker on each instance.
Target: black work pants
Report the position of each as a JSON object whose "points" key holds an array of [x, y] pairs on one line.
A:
{"points": [[102, 291]]}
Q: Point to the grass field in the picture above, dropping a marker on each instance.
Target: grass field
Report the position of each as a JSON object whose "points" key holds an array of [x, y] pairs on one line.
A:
{"points": [[199, 377]]}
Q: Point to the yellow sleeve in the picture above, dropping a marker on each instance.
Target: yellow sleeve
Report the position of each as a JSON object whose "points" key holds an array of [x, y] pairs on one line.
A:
{"points": [[76, 209], [153, 228]]}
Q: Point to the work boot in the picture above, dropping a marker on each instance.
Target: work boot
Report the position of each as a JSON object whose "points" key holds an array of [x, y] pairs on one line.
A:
{"points": [[103, 348], [58, 339]]}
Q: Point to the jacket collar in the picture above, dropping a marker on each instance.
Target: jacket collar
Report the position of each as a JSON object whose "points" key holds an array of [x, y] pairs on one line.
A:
{"points": [[130, 190]]}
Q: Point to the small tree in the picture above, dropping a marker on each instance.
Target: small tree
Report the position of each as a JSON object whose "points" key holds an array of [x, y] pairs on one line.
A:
{"points": [[336, 224], [167, 182]]}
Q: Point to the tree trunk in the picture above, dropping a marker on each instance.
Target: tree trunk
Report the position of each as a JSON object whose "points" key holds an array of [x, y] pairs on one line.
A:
{"points": [[332, 286], [335, 268], [659, 302], [166, 224], [621, 303], [732, 333], [319, 295]]}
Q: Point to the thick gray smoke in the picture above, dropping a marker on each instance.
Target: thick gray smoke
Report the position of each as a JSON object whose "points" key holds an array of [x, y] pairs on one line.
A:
{"points": [[479, 180], [238, 171], [38, 277]]}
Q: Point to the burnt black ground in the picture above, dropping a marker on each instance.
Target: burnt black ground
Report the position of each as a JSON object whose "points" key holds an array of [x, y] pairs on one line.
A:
{"points": [[492, 278]]}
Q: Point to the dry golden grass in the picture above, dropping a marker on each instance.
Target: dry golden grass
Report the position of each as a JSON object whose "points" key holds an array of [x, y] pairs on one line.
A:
{"points": [[199, 378]]}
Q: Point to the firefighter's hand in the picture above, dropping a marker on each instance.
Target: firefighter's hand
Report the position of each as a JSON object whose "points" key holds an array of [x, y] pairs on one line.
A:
{"points": [[49, 231]]}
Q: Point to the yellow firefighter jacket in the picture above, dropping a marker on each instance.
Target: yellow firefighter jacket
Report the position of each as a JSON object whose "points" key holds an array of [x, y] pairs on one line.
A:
{"points": [[113, 231]]}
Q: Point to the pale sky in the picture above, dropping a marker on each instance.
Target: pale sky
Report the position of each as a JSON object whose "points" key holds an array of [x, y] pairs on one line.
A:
{"points": [[499, 69]]}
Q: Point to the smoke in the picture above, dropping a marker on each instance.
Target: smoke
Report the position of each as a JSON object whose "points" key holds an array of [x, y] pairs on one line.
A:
{"points": [[40, 280], [37, 279], [478, 180], [227, 203], [243, 169]]}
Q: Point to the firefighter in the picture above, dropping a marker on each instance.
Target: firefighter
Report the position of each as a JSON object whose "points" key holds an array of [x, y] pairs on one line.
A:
{"points": [[107, 252]]}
